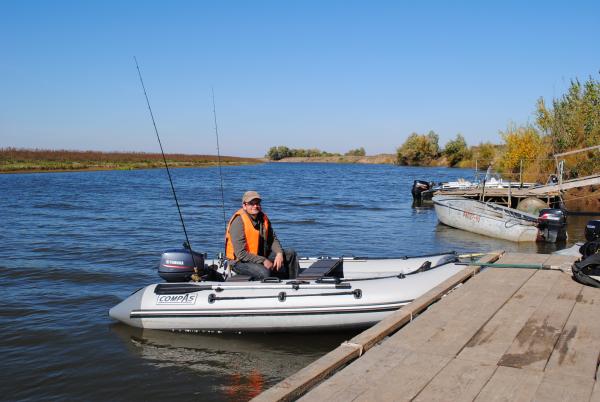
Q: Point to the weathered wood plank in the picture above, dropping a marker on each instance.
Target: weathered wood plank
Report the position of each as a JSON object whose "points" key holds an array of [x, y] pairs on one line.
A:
{"points": [[596, 393], [359, 375], [448, 326], [578, 347], [491, 342], [535, 342], [293, 386], [460, 380], [561, 262], [403, 382], [398, 319], [510, 384], [561, 388], [523, 258]]}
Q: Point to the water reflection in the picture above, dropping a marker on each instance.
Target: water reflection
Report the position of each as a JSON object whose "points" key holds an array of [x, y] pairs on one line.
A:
{"points": [[245, 364]]}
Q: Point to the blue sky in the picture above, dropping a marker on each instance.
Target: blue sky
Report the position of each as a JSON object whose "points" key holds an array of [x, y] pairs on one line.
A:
{"points": [[333, 75]]}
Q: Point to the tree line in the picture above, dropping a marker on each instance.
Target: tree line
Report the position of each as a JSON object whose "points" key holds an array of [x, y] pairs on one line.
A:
{"points": [[280, 152], [571, 122]]}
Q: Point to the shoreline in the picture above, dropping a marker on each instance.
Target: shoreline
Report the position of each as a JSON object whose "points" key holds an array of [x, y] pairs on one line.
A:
{"points": [[38, 169], [386, 159]]}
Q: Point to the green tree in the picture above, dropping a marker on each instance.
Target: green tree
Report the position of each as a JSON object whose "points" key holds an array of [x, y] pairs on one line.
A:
{"points": [[356, 152], [419, 149], [457, 150], [485, 152], [574, 119], [573, 122], [277, 153]]}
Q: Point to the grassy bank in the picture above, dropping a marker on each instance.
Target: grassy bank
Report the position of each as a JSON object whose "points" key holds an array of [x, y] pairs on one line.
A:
{"points": [[14, 160]]}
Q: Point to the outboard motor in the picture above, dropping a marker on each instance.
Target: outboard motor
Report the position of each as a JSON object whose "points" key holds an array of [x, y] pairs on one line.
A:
{"points": [[177, 265], [552, 224], [592, 230], [592, 237], [418, 188], [587, 271]]}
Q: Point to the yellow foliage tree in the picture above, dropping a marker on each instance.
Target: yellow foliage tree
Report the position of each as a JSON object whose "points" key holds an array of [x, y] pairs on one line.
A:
{"points": [[523, 145]]}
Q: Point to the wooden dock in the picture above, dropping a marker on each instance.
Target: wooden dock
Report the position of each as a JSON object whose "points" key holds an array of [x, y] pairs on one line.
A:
{"points": [[550, 194], [502, 334]]}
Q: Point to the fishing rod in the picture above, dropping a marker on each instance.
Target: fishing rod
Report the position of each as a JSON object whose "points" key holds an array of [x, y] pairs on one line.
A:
{"points": [[187, 243], [219, 164]]}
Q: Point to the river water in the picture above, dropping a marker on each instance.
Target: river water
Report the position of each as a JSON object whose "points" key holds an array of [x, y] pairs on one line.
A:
{"points": [[75, 244]]}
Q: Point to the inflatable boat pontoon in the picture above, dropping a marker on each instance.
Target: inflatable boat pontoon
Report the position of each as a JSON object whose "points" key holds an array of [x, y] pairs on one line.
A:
{"points": [[329, 294]]}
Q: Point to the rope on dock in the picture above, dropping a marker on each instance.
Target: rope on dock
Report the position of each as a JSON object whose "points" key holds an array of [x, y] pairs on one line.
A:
{"points": [[356, 346]]}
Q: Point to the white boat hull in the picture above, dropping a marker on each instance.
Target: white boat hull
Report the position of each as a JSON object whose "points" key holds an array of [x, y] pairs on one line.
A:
{"points": [[488, 220], [272, 307]]}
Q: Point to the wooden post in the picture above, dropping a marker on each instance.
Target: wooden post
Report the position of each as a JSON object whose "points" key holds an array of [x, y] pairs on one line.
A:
{"points": [[521, 174]]}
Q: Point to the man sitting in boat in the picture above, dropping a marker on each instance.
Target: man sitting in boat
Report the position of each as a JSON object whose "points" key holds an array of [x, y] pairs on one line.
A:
{"points": [[252, 247]]}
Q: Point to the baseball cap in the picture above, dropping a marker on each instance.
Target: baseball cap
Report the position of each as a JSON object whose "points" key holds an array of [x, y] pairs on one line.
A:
{"points": [[250, 195]]}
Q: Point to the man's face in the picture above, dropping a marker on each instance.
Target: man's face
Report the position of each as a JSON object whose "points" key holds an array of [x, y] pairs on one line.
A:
{"points": [[252, 207]]}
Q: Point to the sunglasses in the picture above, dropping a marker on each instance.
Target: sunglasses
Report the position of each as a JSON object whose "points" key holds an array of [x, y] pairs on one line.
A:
{"points": [[253, 202]]}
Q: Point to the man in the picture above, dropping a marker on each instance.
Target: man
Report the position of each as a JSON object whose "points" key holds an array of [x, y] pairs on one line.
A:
{"points": [[251, 245]]}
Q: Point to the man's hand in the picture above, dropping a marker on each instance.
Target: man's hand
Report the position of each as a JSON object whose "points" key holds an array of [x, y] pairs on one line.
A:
{"points": [[268, 263], [278, 263]]}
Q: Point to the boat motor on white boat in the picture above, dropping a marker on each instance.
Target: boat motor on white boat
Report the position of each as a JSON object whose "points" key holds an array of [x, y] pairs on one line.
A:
{"points": [[328, 294]]}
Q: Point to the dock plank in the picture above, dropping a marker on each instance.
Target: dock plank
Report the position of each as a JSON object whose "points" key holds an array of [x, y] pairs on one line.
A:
{"points": [[535, 341], [490, 343], [596, 393], [293, 386], [448, 326], [510, 384], [578, 347], [563, 262], [561, 388], [460, 380], [378, 365], [404, 381], [523, 258]]}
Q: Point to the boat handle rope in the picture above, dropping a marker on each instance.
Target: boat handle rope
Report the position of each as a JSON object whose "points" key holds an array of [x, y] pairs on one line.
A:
{"points": [[178, 289], [282, 296], [426, 266]]}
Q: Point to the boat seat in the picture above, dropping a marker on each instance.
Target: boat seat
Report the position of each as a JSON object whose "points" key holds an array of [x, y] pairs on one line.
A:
{"points": [[325, 267], [239, 278]]}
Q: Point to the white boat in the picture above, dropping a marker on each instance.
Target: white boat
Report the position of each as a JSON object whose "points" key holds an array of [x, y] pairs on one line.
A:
{"points": [[494, 220], [377, 288]]}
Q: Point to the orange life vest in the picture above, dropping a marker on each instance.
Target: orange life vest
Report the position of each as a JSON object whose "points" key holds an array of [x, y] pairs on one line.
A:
{"points": [[252, 234]]}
